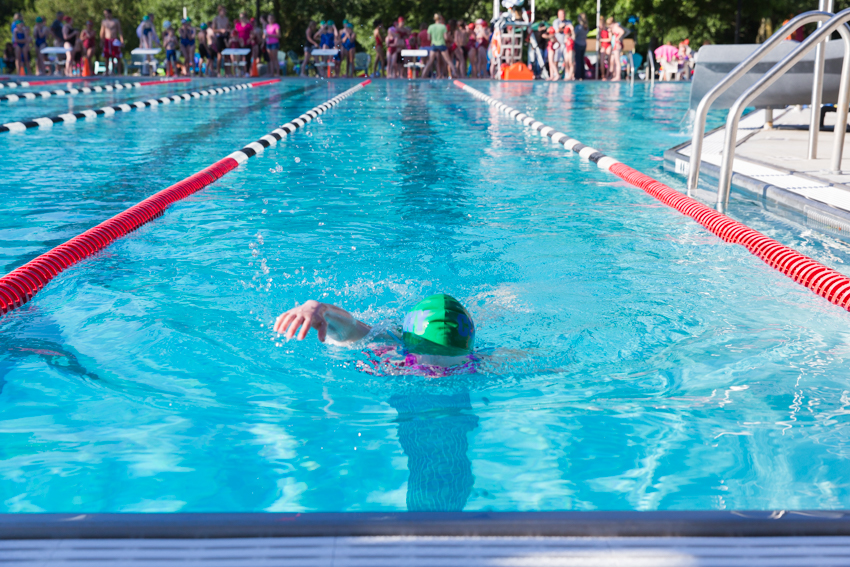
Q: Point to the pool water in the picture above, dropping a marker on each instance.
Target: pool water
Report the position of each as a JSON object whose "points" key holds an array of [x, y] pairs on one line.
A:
{"points": [[629, 359]]}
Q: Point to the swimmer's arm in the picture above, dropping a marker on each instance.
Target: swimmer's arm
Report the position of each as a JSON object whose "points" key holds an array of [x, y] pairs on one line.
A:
{"points": [[331, 322]]}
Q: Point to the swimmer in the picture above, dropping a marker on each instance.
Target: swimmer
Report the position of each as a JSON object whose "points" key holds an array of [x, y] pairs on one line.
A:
{"points": [[437, 336]]}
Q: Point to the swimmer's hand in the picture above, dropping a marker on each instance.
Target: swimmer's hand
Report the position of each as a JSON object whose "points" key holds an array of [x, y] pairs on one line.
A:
{"points": [[330, 322]]}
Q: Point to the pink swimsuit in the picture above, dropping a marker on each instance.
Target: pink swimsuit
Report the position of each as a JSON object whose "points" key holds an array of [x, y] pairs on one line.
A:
{"points": [[380, 360]]}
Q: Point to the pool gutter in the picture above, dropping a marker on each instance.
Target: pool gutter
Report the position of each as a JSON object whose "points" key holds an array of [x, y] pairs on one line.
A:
{"points": [[776, 199], [597, 524]]}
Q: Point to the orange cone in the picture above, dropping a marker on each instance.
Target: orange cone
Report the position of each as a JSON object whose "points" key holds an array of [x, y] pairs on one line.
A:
{"points": [[255, 72], [170, 70], [86, 68]]}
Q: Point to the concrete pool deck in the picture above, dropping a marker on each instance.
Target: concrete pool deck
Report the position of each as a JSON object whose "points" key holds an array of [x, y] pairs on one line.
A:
{"points": [[770, 166]]}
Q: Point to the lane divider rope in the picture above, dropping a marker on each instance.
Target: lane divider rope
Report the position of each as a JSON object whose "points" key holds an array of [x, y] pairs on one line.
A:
{"points": [[20, 285], [49, 121], [14, 85], [86, 90], [826, 282]]}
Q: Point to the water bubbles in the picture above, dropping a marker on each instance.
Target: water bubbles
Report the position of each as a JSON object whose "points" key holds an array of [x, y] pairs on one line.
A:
{"points": [[255, 252], [321, 224], [276, 169], [354, 247], [264, 211], [298, 160], [265, 201], [260, 238]]}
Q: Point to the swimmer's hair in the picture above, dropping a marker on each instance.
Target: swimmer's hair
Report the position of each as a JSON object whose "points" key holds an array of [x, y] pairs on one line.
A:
{"points": [[378, 23], [423, 26]]}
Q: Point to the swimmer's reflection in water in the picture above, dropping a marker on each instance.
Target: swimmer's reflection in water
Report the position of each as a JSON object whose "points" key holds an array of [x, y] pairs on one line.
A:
{"points": [[437, 339]]}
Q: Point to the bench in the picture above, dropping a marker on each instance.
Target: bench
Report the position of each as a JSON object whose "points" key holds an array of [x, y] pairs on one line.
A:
{"points": [[145, 55]]}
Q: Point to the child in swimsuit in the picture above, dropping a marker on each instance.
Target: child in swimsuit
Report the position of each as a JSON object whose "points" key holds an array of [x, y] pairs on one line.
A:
{"points": [[392, 49], [21, 38], [70, 36], [380, 52], [169, 41], [604, 49], [436, 339], [552, 48], [187, 45], [39, 36], [348, 51], [272, 36]]}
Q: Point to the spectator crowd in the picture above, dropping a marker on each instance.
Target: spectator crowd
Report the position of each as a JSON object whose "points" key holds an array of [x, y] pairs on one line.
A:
{"points": [[221, 46]]}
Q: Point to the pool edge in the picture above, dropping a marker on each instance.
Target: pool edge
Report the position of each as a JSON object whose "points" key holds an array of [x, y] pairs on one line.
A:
{"points": [[354, 524]]}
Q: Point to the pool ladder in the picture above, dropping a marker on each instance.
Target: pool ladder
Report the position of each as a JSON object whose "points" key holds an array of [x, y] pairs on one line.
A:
{"points": [[828, 23]]}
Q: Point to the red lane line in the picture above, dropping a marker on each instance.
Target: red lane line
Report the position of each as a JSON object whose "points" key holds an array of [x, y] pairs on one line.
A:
{"points": [[53, 82], [148, 83], [18, 287], [810, 273], [822, 280], [261, 83]]}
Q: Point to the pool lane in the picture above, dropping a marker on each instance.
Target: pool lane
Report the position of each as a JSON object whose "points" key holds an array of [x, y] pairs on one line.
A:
{"points": [[631, 361], [20, 285], [72, 90], [126, 161], [139, 104], [818, 278], [25, 108], [93, 102]]}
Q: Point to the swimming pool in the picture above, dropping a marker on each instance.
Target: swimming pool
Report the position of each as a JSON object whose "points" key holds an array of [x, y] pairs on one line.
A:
{"points": [[632, 361]]}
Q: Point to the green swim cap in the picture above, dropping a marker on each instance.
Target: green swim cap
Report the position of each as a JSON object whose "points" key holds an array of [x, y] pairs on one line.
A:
{"points": [[440, 325]]}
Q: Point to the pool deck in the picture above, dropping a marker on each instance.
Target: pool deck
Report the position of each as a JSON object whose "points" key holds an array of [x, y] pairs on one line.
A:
{"points": [[770, 166]]}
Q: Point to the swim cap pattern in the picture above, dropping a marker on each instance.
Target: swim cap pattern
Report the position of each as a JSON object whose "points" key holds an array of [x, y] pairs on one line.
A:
{"points": [[440, 325]]}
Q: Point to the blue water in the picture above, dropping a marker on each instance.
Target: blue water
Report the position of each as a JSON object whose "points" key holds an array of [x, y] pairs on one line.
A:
{"points": [[630, 359]]}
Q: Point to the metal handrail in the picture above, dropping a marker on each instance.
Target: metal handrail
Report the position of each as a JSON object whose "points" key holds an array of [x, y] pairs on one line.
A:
{"points": [[739, 71], [651, 60], [836, 23], [817, 87]]}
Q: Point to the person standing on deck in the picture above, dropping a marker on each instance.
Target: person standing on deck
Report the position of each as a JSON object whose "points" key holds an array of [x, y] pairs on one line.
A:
{"points": [[146, 32], [71, 36], [112, 39], [221, 29], [580, 46], [39, 36], [271, 34], [187, 45], [380, 50], [437, 34], [56, 29]]}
